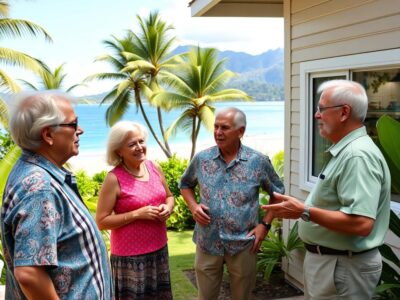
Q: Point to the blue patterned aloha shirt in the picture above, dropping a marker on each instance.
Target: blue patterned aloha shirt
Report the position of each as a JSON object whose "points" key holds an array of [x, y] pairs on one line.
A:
{"points": [[231, 192], [44, 223]]}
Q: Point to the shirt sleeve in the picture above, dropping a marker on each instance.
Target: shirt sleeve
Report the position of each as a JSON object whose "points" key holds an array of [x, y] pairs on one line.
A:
{"points": [[271, 182], [189, 177], [359, 187], [36, 223]]}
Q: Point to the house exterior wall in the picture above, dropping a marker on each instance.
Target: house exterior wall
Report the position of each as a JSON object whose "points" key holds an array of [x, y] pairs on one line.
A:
{"points": [[321, 29]]}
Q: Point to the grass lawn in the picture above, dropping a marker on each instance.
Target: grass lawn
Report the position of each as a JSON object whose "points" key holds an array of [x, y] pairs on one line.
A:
{"points": [[181, 257]]}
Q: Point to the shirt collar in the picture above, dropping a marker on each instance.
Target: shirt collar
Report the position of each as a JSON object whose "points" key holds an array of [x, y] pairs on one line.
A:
{"points": [[353, 135], [34, 158], [242, 154]]}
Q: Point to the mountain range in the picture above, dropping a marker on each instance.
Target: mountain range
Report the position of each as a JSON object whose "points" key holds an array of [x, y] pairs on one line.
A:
{"points": [[260, 76]]}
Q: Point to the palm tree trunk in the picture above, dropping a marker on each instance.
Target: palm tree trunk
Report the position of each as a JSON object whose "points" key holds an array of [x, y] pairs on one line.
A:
{"points": [[139, 101], [160, 121], [195, 134]]}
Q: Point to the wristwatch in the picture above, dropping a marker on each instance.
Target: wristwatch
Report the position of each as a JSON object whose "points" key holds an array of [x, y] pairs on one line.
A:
{"points": [[305, 216], [267, 225]]}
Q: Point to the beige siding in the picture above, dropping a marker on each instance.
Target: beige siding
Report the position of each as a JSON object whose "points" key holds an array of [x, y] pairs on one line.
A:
{"points": [[322, 29]]}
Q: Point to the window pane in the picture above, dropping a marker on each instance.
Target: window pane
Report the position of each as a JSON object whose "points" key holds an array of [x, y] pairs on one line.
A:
{"points": [[383, 91], [319, 144]]}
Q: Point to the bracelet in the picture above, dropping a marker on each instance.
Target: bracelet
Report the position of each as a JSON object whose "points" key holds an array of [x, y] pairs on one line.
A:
{"points": [[125, 219], [267, 225]]}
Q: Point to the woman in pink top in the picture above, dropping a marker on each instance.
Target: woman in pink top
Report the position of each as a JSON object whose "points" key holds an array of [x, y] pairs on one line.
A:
{"points": [[134, 203]]}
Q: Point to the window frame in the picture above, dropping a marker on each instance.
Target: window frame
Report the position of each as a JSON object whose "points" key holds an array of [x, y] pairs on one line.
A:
{"points": [[323, 68]]}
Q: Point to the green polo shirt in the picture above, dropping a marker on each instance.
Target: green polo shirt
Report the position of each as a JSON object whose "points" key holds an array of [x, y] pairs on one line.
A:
{"points": [[355, 181]]}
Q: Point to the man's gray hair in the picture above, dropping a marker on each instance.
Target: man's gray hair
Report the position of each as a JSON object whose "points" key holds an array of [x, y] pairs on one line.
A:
{"points": [[117, 136], [347, 92], [32, 113], [239, 119]]}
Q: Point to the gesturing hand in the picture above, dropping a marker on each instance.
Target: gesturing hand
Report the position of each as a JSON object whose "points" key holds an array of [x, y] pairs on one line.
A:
{"points": [[288, 208]]}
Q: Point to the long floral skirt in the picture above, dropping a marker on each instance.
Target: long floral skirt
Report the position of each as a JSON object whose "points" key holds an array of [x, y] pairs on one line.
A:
{"points": [[142, 276]]}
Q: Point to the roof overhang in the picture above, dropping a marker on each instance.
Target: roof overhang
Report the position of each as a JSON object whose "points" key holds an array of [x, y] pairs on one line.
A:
{"points": [[236, 8]]}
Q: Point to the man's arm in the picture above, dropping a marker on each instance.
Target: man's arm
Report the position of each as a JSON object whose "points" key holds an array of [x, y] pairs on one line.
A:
{"points": [[199, 211], [35, 283], [292, 208]]}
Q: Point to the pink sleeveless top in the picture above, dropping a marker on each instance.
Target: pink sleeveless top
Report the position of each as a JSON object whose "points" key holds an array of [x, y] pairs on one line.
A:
{"points": [[140, 236]]}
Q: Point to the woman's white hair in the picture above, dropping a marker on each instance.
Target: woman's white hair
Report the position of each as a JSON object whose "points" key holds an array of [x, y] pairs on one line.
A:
{"points": [[117, 136], [347, 92], [32, 113]]}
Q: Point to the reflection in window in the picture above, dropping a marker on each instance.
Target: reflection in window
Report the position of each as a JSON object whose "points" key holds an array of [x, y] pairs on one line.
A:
{"points": [[383, 91]]}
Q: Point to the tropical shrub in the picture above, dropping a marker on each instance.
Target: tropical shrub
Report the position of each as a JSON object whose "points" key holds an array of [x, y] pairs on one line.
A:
{"points": [[5, 142], [389, 141], [89, 188], [173, 170], [274, 248]]}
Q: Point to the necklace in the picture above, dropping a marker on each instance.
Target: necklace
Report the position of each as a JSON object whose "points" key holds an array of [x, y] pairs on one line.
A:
{"points": [[133, 174]]}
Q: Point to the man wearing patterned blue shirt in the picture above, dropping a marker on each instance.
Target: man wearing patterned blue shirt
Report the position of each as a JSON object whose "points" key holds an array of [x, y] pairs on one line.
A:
{"points": [[227, 230], [51, 243]]}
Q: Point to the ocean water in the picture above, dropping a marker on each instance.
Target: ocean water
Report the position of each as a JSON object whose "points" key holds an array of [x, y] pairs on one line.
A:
{"points": [[263, 118]]}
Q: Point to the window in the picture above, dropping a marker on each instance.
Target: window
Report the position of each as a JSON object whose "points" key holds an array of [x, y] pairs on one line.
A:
{"points": [[378, 72]]}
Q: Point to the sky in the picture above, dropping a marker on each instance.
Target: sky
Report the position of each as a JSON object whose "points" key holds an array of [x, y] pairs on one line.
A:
{"points": [[78, 28]]}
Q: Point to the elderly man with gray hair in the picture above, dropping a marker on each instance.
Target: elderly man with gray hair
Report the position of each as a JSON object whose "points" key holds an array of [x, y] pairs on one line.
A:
{"points": [[51, 243], [346, 216], [228, 231]]}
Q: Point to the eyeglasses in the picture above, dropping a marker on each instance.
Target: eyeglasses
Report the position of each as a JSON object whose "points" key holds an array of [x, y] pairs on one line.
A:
{"points": [[73, 124], [322, 109]]}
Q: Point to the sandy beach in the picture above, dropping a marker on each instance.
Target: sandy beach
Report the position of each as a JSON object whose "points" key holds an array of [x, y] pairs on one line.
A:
{"points": [[94, 162]]}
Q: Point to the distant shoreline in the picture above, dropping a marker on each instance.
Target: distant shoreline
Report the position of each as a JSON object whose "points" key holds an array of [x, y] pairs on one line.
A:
{"points": [[94, 161]]}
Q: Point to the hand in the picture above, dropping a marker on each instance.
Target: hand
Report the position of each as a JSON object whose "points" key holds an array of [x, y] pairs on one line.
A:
{"points": [[288, 208], [259, 232], [201, 214], [148, 212], [165, 211]]}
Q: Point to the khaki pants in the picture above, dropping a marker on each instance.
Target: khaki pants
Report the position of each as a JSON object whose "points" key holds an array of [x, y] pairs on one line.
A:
{"points": [[209, 272], [340, 276]]}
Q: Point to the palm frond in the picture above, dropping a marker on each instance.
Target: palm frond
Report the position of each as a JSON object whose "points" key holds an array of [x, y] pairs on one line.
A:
{"points": [[183, 122], [3, 113], [4, 8], [19, 28], [16, 58], [28, 84], [8, 83], [105, 76], [118, 107], [207, 116], [6, 165], [168, 101]]}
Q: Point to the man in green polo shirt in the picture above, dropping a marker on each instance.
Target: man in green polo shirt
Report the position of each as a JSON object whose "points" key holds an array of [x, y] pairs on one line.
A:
{"points": [[346, 216]]}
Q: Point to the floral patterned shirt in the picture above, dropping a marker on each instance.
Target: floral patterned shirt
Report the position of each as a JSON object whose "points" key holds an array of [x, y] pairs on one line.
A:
{"points": [[44, 223], [231, 192]]}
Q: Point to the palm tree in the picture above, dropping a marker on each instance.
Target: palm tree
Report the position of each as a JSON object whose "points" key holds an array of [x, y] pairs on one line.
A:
{"points": [[141, 62], [133, 84], [51, 80], [17, 28], [199, 82], [14, 28]]}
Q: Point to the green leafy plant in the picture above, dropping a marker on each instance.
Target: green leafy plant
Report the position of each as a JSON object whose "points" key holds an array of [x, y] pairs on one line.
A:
{"points": [[390, 278], [274, 248], [173, 170], [389, 140]]}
